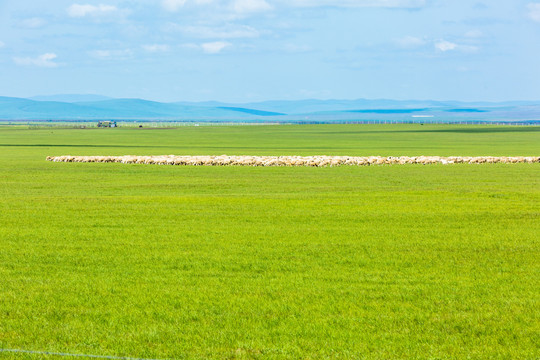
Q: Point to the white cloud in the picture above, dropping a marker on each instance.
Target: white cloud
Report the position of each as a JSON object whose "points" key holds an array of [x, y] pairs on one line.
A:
{"points": [[225, 9], [444, 45], [173, 5], [111, 54], [360, 3], [156, 47], [247, 7], [468, 48], [100, 53], [293, 48], [2, 44], [214, 47], [222, 32], [474, 34], [410, 42], [45, 60], [33, 23], [80, 10], [534, 11], [250, 6]]}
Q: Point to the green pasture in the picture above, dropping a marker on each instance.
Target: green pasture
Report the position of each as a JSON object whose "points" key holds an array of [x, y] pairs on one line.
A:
{"points": [[172, 262]]}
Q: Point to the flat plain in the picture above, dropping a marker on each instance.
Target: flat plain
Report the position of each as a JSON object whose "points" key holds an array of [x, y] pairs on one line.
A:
{"points": [[194, 262]]}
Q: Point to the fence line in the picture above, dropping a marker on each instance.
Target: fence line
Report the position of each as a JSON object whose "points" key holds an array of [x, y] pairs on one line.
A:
{"points": [[202, 122]]}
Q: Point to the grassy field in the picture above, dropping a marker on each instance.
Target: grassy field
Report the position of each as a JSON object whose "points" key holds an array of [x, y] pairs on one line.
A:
{"points": [[380, 262]]}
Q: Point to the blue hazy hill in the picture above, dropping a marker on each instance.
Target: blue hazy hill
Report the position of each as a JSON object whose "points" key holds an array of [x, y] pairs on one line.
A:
{"points": [[16, 108], [132, 108], [120, 109], [251, 111], [302, 110], [70, 98]]}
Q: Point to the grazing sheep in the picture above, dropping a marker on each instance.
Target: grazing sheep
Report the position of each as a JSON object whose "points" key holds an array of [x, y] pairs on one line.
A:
{"points": [[314, 161]]}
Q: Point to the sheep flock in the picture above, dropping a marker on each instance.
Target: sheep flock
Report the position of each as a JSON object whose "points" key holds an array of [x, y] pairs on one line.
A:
{"points": [[315, 161]]}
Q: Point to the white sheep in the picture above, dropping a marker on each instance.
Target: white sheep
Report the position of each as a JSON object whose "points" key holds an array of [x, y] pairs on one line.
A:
{"points": [[314, 161]]}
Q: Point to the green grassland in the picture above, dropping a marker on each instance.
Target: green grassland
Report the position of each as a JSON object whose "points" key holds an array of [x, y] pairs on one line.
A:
{"points": [[379, 262]]}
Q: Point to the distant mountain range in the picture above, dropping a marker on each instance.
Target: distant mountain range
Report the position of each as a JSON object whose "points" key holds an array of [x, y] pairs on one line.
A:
{"points": [[96, 107], [70, 98]]}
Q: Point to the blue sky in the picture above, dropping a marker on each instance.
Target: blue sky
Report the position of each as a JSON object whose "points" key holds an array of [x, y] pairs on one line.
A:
{"points": [[252, 50]]}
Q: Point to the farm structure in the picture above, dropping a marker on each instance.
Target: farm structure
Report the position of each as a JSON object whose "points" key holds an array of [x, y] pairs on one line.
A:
{"points": [[110, 124]]}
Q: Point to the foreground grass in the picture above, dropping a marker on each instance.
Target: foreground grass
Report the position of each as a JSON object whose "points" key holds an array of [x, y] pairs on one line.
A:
{"points": [[374, 262]]}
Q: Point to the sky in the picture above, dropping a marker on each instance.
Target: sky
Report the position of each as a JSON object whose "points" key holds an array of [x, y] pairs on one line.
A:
{"points": [[254, 50]]}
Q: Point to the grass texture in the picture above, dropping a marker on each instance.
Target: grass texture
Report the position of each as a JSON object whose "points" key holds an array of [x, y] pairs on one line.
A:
{"points": [[378, 262]]}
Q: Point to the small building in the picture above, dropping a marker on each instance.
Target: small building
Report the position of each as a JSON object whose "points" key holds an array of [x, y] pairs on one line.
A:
{"points": [[110, 124]]}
